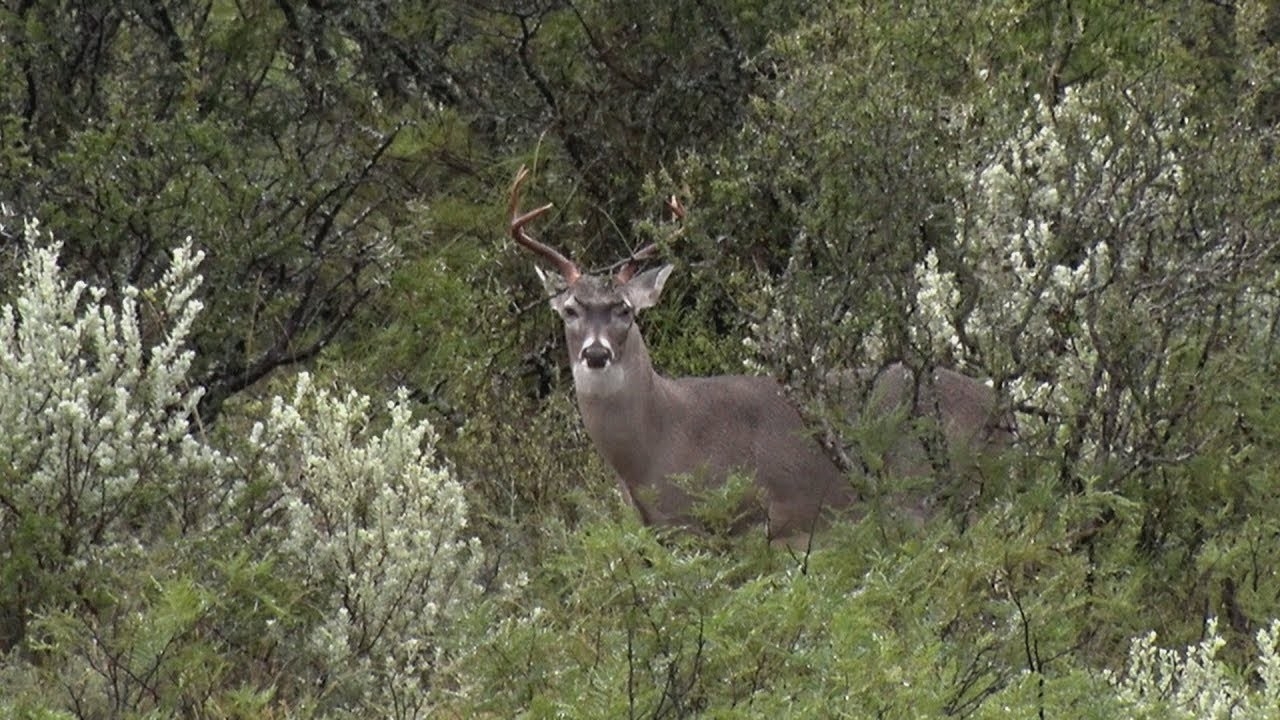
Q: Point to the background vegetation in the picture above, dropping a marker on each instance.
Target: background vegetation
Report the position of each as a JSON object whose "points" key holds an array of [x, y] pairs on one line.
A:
{"points": [[286, 429]]}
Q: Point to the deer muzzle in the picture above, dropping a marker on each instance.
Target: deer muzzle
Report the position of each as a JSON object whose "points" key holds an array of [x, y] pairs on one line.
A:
{"points": [[596, 355]]}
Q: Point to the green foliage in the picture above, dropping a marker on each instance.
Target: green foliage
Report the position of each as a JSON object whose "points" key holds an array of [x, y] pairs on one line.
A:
{"points": [[1074, 199], [622, 622], [234, 125]]}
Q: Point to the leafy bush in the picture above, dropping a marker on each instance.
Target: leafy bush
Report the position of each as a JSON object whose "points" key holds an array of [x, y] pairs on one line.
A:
{"points": [[623, 622]]}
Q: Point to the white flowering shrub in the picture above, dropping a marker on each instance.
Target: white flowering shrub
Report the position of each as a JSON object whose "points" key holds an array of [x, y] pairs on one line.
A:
{"points": [[937, 298], [1077, 200], [1196, 684], [314, 563], [1093, 249], [1107, 262], [373, 529], [95, 425]]}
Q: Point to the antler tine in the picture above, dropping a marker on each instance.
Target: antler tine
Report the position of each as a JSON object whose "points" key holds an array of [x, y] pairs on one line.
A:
{"points": [[675, 207], [629, 267], [631, 264], [567, 268]]}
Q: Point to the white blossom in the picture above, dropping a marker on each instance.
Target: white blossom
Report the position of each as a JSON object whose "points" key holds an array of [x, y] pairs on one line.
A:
{"points": [[90, 399], [376, 525], [1196, 685], [98, 441]]}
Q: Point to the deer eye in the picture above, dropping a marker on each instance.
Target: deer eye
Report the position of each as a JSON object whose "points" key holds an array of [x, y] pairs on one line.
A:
{"points": [[622, 313], [570, 312]]}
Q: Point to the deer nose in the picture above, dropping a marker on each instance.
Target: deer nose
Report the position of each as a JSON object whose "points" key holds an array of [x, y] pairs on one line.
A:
{"points": [[596, 356]]}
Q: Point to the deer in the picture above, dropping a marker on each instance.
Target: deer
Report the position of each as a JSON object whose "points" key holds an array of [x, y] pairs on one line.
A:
{"points": [[671, 439]]}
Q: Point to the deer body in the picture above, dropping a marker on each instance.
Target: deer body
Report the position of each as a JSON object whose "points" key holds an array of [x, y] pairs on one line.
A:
{"points": [[705, 428], [664, 436]]}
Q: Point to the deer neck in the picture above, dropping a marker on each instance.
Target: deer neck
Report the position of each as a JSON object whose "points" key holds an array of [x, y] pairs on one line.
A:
{"points": [[621, 409]]}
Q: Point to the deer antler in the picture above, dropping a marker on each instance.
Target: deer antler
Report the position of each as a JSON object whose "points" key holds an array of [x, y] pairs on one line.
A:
{"points": [[629, 267], [568, 270], [631, 264], [675, 207]]}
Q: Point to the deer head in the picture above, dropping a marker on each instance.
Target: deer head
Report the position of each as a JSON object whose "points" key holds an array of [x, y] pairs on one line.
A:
{"points": [[599, 311]]}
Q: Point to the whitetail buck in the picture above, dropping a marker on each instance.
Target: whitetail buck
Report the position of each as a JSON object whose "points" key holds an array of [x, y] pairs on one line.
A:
{"points": [[668, 438]]}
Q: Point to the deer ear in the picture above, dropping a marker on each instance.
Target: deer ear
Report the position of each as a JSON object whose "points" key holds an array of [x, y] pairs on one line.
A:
{"points": [[643, 290]]}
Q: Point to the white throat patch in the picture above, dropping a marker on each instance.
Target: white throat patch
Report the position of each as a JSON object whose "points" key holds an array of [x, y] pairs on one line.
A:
{"points": [[598, 382]]}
